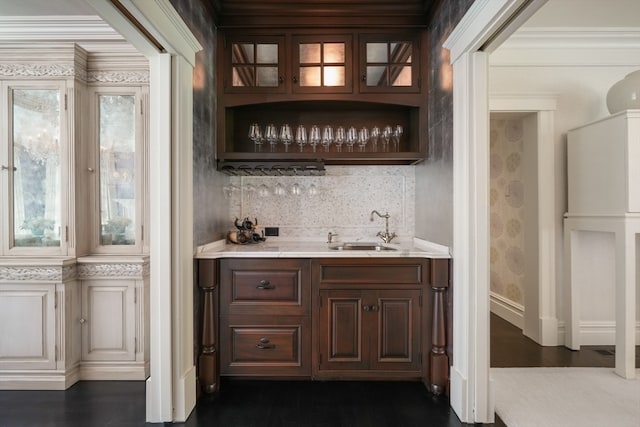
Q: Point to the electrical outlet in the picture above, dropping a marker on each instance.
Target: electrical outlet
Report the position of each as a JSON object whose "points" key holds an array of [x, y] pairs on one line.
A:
{"points": [[271, 231]]}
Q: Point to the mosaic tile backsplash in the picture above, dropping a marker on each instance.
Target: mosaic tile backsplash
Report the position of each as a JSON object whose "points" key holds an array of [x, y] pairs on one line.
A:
{"points": [[506, 200], [341, 201]]}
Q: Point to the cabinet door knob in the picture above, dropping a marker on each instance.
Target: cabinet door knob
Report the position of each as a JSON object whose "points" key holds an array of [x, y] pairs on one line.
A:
{"points": [[364, 77], [82, 320], [264, 344], [374, 308], [265, 284], [366, 307], [280, 79], [295, 79]]}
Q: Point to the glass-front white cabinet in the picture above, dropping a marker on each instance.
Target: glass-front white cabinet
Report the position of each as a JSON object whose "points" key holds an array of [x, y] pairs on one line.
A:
{"points": [[74, 260], [34, 168], [119, 169]]}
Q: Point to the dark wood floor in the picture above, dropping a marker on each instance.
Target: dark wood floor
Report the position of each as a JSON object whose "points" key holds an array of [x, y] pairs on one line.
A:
{"points": [[285, 403]]}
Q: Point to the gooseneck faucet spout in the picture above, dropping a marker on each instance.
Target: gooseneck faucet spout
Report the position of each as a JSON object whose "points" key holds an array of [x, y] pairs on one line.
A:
{"points": [[385, 236]]}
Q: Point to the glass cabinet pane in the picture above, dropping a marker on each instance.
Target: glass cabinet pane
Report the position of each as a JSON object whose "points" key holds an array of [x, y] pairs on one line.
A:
{"points": [[254, 65], [389, 64], [35, 147], [117, 183], [322, 64]]}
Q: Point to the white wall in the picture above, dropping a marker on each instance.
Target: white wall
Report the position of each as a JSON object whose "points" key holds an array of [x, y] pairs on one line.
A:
{"points": [[577, 66]]}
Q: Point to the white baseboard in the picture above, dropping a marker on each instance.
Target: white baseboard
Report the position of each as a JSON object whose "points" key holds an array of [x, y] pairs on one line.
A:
{"points": [[601, 332], [510, 311], [110, 372], [38, 381], [186, 395]]}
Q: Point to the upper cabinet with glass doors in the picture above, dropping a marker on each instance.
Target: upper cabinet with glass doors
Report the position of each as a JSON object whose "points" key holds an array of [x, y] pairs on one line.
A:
{"points": [[118, 168], [340, 79], [34, 168]]}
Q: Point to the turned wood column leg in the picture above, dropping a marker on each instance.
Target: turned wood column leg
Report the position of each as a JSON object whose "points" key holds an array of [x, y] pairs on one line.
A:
{"points": [[208, 373], [438, 358]]}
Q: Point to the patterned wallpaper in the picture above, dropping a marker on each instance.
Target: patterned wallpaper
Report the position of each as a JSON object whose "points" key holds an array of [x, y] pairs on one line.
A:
{"points": [[507, 208]]}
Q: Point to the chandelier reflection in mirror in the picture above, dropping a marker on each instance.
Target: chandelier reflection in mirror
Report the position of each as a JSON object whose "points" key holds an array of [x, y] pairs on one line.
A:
{"points": [[117, 169], [36, 167]]}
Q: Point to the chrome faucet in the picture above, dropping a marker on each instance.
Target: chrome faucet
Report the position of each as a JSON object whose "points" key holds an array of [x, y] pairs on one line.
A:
{"points": [[330, 236], [386, 237]]}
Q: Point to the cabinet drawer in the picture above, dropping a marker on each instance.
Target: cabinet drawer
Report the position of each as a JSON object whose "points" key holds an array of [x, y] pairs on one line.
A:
{"points": [[265, 346], [370, 273], [264, 287]]}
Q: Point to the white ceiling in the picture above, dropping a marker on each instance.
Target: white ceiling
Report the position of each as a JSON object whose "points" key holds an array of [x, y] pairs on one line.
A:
{"points": [[45, 8], [587, 13]]}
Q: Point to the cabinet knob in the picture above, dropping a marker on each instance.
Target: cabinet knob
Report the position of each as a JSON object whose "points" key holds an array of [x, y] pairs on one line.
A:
{"points": [[365, 308], [280, 79], [295, 79], [264, 344], [90, 169], [364, 78], [265, 284], [374, 308], [82, 320]]}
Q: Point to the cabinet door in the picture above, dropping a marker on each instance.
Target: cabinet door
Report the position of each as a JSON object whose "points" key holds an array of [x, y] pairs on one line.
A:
{"points": [[389, 64], [254, 64], [342, 344], [27, 326], [322, 64], [34, 182], [395, 343], [108, 320]]}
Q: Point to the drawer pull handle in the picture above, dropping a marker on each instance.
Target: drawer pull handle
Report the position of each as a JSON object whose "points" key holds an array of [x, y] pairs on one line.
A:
{"points": [[265, 284], [264, 344]]}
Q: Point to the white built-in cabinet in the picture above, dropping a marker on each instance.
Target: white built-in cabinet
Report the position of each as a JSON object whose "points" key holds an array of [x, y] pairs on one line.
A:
{"points": [[114, 318], [74, 264], [602, 232]]}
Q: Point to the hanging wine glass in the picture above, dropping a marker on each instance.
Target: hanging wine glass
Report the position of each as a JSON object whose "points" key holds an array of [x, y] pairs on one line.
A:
{"points": [[327, 137], [301, 136], [339, 138], [363, 138], [352, 137], [314, 136], [285, 136], [271, 135], [375, 135]]}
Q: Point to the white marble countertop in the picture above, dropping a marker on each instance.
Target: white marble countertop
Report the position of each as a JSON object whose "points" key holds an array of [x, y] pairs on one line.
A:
{"points": [[273, 248]]}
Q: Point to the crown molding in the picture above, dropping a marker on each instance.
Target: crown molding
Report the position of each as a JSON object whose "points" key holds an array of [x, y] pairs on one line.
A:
{"points": [[570, 46], [56, 28]]}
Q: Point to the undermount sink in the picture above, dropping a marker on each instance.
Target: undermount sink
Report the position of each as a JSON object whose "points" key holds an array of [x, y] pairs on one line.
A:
{"points": [[360, 246]]}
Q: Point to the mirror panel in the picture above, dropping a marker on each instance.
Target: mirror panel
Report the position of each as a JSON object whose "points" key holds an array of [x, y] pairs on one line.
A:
{"points": [[117, 183], [36, 190]]}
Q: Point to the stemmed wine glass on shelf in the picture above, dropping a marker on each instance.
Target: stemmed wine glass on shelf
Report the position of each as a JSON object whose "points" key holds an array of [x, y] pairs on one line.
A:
{"points": [[352, 137], [363, 138], [397, 134], [285, 136], [301, 136], [339, 138], [314, 136], [255, 135], [271, 135], [386, 136], [375, 135], [327, 137]]}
